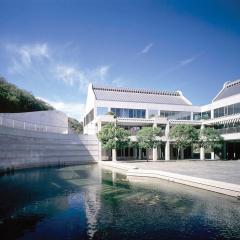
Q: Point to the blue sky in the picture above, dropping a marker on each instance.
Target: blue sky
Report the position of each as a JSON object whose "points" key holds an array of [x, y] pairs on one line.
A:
{"points": [[55, 48]]}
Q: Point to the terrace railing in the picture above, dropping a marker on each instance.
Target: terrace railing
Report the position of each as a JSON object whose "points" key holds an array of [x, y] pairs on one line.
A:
{"points": [[33, 126], [229, 130]]}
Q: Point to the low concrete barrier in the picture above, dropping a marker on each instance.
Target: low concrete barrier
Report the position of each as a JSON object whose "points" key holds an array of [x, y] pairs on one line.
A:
{"points": [[206, 184]]}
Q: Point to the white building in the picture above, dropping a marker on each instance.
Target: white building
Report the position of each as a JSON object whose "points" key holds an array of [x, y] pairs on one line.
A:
{"points": [[136, 108]]}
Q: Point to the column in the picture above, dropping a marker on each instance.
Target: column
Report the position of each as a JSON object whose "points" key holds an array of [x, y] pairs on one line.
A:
{"points": [[202, 153], [202, 150], [212, 155], [114, 155], [167, 151], [182, 154], [155, 154], [135, 153], [167, 145], [140, 153], [155, 149]]}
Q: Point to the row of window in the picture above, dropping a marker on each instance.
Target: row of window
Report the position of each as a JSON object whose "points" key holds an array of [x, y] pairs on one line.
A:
{"points": [[176, 115], [129, 113], [89, 117], [202, 115], [227, 110]]}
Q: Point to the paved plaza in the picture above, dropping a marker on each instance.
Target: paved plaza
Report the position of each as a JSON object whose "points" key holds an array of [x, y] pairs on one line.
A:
{"points": [[224, 171]]}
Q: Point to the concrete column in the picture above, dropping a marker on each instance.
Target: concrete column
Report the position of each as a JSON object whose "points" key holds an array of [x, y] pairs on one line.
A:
{"points": [[140, 153], [114, 155], [167, 151], [167, 145], [160, 152], [212, 155], [202, 150], [135, 153], [155, 154], [182, 154], [202, 153]]}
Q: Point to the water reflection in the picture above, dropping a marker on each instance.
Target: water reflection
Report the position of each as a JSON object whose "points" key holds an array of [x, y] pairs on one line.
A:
{"points": [[88, 202]]}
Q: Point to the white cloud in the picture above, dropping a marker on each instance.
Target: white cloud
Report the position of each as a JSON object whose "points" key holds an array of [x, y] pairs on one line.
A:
{"points": [[25, 54], [76, 76], [36, 60], [146, 49], [72, 109], [118, 82], [182, 63]]}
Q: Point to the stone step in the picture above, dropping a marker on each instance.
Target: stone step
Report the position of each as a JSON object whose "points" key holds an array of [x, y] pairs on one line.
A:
{"points": [[39, 141], [27, 133], [23, 148], [46, 153], [45, 161], [47, 146]]}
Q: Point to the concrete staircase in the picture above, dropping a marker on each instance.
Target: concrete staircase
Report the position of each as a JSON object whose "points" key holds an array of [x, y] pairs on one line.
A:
{"points": [[23, 148]]}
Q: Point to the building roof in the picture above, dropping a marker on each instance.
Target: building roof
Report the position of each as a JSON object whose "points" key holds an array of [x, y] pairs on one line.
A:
{"points": [[139, 96], [229, 89]]}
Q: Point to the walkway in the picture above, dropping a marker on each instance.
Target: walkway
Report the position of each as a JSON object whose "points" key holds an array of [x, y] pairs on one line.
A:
{"points": [[224, 171], [217, 176]]}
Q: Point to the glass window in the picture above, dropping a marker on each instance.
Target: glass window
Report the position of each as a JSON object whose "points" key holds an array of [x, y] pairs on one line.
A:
{"points": [[89, 117], [126, 113], [196, 116], [221, 112], [176, 115], [230, 110], [236, 108], [101, 110], [206, 115], [129, 113], [152, 113]]}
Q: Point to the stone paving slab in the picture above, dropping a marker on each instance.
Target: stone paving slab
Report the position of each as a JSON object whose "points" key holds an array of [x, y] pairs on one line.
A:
{"points": [[224, 171]]}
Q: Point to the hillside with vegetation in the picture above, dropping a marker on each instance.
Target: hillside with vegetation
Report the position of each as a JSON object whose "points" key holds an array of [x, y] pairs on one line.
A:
{"points": [[15, 100], [75, 125]]}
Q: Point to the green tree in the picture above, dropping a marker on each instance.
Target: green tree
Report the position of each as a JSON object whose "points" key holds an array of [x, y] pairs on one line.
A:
{"points": [[113, 138], [183, 136], [210, 138], [75, 125], [149, 138], [14, 99]]}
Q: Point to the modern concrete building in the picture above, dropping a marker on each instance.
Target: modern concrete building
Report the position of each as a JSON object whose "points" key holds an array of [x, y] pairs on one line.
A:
{"points": [[135, 108]]}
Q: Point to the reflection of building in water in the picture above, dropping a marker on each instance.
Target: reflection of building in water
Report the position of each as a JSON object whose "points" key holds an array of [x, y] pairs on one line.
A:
{"points": [[92, 202]]}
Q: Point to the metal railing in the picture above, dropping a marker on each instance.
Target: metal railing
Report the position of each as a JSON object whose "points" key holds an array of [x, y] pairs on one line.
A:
{"points": [[229, 130], [33, 126]]}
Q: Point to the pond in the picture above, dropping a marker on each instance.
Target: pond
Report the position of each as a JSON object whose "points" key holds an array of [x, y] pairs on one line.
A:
{"points": [[90, 202]]}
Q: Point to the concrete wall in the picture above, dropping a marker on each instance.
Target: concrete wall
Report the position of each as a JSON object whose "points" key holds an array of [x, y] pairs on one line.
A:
{"points": [[23, 149], [47, 121]]}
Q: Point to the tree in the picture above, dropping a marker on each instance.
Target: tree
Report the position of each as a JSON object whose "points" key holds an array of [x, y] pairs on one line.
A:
{"points": [[210, 138], [183, 136], [14, 99], [75, 125], [149, 137], [113, 138]]}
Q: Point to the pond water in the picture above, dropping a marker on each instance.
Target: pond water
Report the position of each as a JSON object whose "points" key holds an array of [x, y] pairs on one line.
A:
{"points": [[89, 202]]}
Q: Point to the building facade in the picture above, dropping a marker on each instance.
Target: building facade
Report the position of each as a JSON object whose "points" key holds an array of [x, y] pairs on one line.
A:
{"points": [[136, 108]]}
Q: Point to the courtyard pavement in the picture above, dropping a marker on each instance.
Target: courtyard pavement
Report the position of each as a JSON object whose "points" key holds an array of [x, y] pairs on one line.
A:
{"points": [[224, 171]]}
